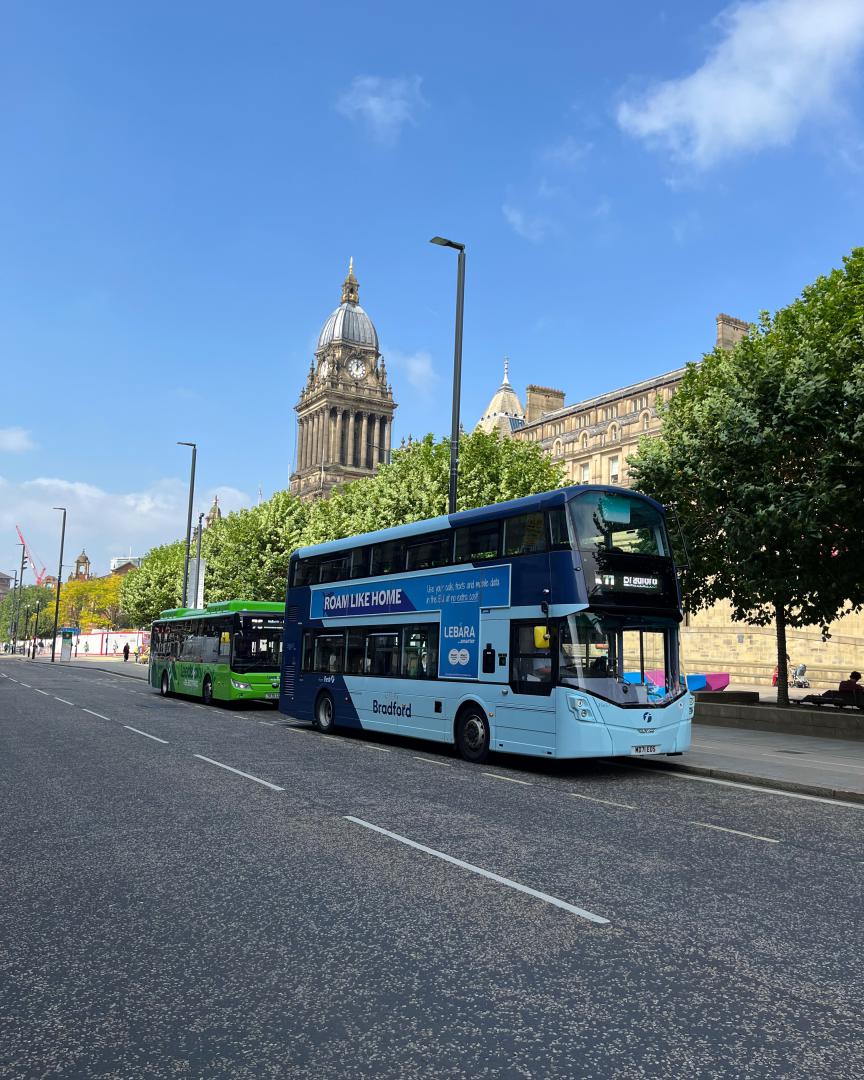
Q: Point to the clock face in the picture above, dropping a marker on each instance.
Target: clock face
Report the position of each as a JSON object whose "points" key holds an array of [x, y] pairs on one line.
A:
{"points": [[324, 369], [356, 367]]}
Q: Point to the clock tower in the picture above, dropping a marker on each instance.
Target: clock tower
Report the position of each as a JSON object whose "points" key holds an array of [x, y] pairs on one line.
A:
{"points": [[345, 411]]}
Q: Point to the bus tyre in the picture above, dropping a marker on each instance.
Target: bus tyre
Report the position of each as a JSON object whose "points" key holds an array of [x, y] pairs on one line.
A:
{"points": [[325, 715], [163, 685], [207, 691], [472, 734]]}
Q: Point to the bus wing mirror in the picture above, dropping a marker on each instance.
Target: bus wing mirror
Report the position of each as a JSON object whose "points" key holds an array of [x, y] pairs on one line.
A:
{"points": [[541, 637]]}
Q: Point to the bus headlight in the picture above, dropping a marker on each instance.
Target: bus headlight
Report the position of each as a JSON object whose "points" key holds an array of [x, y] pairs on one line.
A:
{"points": [[580, 708], [241, 685]]}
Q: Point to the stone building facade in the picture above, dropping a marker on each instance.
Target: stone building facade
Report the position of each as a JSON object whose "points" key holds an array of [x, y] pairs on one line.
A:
{"points": [[592, 440], [345, 411]]}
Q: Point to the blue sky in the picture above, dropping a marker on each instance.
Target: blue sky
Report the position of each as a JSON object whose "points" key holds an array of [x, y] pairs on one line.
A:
{"points": [[182, 186]]}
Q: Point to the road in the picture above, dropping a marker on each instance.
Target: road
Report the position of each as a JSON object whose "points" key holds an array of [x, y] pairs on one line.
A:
{"points": [[222, 892]]}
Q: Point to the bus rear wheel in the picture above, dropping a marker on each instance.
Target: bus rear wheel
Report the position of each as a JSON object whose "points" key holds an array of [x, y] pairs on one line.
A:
{"points": [[207, 691], [325, 714], [163, 685], [472, 734]]}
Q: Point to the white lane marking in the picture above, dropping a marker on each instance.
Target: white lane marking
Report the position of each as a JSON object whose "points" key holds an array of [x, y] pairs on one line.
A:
{"points": [[269, 723], [99, 714], [432, 761], [45, 692], [11, 677], [382, 749], [27, 684], [249, 776], [737, 832], [330, 738], [608, 802], [581, 912], [137, 732], [749, 787], [64, 701], [509, 779]]}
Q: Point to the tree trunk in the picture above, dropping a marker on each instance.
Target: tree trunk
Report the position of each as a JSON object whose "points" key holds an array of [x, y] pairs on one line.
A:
{"points": [[782, 658]]}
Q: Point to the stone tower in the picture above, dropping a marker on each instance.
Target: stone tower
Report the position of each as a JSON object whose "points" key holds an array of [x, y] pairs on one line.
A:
{"points": [[345, 411], [82, 568]]}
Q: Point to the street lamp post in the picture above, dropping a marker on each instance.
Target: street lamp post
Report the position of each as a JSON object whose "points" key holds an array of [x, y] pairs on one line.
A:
{"points": [[59, 583], [457, 367], [197, 561], [35, 628], [20, 598], [189, 519]]}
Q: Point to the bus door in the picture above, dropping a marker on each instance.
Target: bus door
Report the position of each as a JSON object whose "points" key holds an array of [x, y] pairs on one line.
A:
{"points": [[525, 716]]}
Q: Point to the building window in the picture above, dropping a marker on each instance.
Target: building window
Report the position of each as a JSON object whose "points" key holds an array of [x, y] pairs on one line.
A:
{"points": [[556, 449], [585, 478], [613, 469], [613, 433], [646, 420], [584, 442]]}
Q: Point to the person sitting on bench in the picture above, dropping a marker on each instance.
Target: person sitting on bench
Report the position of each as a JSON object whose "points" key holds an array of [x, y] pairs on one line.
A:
{"points": [[853, 686]]}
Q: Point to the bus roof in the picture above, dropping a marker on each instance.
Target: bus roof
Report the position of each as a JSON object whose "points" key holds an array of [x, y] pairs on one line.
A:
{"points": [[524, 505], [223, 607]]}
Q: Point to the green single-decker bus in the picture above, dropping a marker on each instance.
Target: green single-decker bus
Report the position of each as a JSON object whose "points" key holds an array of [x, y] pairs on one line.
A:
{"points": [[229, 651]]}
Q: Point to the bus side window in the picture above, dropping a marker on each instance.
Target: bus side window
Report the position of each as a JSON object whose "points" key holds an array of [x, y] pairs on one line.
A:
{"points": [[524, 535], [476, 542], [388, 558], [559, 537], [360, 562], [531, 658]]}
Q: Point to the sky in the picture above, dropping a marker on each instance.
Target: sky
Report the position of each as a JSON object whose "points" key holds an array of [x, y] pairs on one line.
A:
{"points": [[182, 185]]}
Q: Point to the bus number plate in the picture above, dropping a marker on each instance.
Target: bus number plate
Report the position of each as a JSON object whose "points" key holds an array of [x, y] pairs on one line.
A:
{"points": [[649, 749], [271, 697]]}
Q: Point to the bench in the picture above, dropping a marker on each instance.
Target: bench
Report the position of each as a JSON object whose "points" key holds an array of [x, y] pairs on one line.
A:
{"points": [[834, 700]]}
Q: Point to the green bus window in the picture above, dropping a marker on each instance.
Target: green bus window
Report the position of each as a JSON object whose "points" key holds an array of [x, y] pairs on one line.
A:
{"points": [[524, 535]]}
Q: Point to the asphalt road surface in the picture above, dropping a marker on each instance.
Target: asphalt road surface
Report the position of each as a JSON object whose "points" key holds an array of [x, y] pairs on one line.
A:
{"points": [[193, 892]]}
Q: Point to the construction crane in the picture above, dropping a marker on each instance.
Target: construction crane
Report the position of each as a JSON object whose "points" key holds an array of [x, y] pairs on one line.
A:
{"points": [[34, 562]]}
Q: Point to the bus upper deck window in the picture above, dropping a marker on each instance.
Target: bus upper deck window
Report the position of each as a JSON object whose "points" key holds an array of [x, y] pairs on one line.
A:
{"points": [[475, 542], [524, 535]]}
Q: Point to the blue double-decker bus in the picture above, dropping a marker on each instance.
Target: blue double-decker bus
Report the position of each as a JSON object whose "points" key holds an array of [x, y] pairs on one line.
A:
{"points": [[547, 625]]}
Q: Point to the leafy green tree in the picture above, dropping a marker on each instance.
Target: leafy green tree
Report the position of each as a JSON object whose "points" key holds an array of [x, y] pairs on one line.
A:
{"points": [[32, 597], [762, 458], [156, 584], [247, 552]]}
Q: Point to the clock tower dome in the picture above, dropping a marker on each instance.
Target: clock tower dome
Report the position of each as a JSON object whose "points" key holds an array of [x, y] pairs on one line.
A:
{"points": [[345, 411]]}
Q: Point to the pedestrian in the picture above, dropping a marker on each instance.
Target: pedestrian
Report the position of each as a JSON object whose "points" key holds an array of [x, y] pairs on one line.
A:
{"points": [[125, 652], [853, 686], [86, 647]]}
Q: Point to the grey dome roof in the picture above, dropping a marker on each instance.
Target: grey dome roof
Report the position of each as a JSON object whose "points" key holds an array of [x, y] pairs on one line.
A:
{"points": [[349, 323]]}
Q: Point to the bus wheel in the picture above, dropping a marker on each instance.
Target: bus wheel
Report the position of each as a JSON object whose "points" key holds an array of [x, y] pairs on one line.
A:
{"points": [[163, 686], [472, 734], [325, 716], [207, 691]]}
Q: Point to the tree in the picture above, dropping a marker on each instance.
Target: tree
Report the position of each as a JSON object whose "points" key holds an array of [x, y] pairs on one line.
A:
{"points": [[762, 458], [247, 552], [32, 597], [157, 584]]}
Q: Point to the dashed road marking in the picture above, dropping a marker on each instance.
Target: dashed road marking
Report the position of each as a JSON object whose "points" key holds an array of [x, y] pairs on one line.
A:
{"points": [[239, 772], [554, 900], [432, 761], [607, 802], [45, 692], [381, 749], [137, 732], [737, 832], [509, 779], [99, 714], [64, 701]]}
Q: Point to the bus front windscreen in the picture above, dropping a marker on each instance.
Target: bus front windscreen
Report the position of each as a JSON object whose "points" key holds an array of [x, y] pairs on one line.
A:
{"points": [[257, 644], [630, 660]]}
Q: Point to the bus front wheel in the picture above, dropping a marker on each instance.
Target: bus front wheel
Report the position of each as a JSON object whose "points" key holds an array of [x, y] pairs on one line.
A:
{"points": [[163, 686], [472, 734], [325, 716], [207, 691]]}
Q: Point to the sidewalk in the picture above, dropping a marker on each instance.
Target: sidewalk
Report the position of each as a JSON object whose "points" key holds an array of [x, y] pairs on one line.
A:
{"points": [[129, 669]]}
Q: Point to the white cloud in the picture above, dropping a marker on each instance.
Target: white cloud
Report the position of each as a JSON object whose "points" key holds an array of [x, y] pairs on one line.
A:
{"points": [[528, 228], [569, 152], [15, 440], [778, 63], [104, 523], [417, 367], [384, 105]]}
